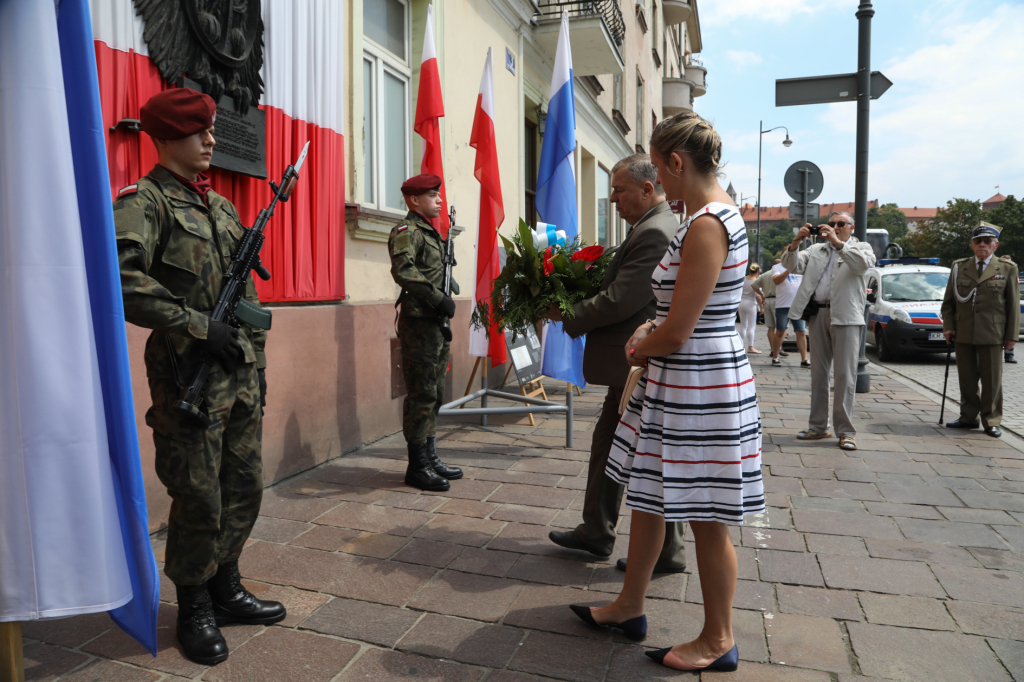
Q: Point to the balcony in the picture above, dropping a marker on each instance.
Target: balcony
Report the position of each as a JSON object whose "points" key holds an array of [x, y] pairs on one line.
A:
{"points": [[697, 74], [676, 96], [596, 32], [675, 11]]}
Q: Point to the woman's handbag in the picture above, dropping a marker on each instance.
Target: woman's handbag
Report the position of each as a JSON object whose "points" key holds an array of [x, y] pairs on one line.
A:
{"points": [[635, 374]]}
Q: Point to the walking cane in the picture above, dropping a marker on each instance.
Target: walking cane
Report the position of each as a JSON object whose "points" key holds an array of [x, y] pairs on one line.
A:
{"points": [[945, 382]]}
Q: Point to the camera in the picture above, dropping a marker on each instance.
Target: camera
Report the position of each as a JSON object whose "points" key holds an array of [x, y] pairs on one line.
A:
{"points": [[815, 230]]}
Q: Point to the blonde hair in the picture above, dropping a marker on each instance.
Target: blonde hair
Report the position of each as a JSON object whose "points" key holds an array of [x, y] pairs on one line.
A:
{"points": [[688, 133]]}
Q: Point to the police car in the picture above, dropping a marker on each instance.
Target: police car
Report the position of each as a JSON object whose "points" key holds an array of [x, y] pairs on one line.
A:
{"points": [[904, 306]]}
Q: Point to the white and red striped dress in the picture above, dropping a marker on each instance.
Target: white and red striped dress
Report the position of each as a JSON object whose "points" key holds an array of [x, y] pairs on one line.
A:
{"points": [[688, 446]]}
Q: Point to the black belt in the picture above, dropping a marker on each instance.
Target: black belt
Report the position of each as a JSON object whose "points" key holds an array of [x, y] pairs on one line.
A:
{"points": [[769, 297], [824, 305]]}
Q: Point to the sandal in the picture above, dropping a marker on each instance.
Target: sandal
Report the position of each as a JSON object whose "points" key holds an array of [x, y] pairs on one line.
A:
{"points": [[811, 434], [847, 443], [753, 351]]}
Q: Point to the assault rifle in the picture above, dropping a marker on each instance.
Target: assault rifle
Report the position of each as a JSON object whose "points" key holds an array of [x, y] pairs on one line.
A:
{"points": [[449, 263], [232, 308]]}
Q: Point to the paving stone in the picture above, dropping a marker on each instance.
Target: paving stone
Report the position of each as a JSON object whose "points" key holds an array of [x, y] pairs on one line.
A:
{"points": [[970, 515], [984, 499], [770, 538], [842, 490], [384, 582], [917, 494], [484, 561], [468, 489], [908, 612], [327, 538], [965, 471], [533, 496], [429, 553], [306, 569], [670, 623], [834, 544], [803, 473], [908, 654], [415, 502], [467, 595], [784, 485], [1012, 656], [546, 607], [1013, 535], [911, 511], [340, 473], [856, 475], [375, 519], [105, 671], [1005, 588], [950, 533], [760, 672], [815, 601], [68, 632], [294, 507], [857, 525], [472, 508], [919, 551], [1005, 486], [531, 539], [363, 621], [547, 465], [751, 595], [879, 575], [520, 514], [551, 570], [562, 657], [377, 665], [46, 662], [300, 603], [388, 480], [522, 477], [629, 664], [837, 461], [951, 482], [988, 620], [806, 642], [378, 545], [994, 558], [463, 640], [789, 567], [459, 530], [277, 530]]}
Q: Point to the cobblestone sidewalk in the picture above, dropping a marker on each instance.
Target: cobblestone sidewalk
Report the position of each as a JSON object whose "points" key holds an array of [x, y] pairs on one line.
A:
{"points": [[899, 561]]}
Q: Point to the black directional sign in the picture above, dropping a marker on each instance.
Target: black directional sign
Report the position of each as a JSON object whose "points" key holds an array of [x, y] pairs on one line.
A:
{"points": [[825, 89]]}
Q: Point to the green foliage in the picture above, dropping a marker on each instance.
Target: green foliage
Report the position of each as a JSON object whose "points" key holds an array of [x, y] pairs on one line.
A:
{"points": [[948, 234], [522, 293], [773, 240], [888, 217], [1010, 217]]}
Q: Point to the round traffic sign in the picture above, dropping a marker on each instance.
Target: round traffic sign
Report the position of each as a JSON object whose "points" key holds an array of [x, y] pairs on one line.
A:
{"points": [[793, 181]]}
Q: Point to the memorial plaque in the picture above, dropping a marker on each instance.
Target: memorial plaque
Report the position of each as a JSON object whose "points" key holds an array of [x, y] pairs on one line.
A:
{"points": [[241, 139]]}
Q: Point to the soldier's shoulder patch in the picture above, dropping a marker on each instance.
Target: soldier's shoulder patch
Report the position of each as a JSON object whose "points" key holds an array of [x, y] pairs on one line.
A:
{"points": [[1007, 259], [129, 190], [402, 227]]}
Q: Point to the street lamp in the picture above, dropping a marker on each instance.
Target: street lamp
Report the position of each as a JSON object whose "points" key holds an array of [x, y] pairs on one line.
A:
{"points": [[785, 143]]}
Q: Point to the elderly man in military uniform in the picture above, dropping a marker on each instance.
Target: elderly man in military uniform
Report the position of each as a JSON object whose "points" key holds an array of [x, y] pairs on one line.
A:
{"points": [[417, 264], [981, 315], [175, 238]]}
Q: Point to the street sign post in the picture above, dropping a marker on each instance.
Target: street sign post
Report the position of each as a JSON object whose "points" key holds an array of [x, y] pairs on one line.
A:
{"points": [[804, 214], [790, 92], [803, 181]]}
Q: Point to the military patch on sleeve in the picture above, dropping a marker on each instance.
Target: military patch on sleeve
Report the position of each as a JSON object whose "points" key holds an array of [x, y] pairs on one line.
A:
{"points": [[403, 227], [125, 191]]}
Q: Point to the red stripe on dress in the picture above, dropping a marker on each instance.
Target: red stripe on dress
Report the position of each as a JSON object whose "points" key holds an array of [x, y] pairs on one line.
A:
{"points": [[622, 423], [700, 388], [662, 266], [726, 267]]}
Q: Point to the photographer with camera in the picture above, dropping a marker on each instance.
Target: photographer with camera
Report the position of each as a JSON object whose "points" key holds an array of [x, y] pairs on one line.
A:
{"points": [[832, 297]]}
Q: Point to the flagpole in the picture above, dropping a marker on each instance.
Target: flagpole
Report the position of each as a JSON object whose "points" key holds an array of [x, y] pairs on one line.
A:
{"points": [[12, 656]]}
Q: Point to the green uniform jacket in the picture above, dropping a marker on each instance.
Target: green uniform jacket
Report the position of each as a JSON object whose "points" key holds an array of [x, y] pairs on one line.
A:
{"points": [[173, 252], [417, 264], [993, 314]]}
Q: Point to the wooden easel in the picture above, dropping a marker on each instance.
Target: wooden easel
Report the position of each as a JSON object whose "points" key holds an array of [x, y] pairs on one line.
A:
{"points": [[12, 657]]}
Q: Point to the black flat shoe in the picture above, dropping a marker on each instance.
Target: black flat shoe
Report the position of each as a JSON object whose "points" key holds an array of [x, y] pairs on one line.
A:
{"points": [[634, 628], [567, 539], [960, 425], [658, 568], [725, 663], [993, 431]]}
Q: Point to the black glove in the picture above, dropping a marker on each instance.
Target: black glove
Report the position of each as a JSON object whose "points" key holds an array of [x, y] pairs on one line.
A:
{"points": [[261, 374], [446, 307], [222, 343]]}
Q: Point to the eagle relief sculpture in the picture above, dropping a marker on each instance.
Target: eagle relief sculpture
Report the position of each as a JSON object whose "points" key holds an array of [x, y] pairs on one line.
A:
{"points": [[216, 43]]}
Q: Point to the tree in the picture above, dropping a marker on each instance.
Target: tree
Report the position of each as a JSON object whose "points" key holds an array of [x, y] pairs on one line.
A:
{"points": [[888, 217], [946, 236], [773, 239], [1010, 217]]}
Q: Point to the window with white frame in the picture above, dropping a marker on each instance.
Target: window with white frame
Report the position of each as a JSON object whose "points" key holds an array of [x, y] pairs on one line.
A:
{"points": [[386, 101]]}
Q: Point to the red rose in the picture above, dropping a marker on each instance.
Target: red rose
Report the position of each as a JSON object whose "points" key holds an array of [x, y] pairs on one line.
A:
{"points": [[549, 267], [589, 254]]}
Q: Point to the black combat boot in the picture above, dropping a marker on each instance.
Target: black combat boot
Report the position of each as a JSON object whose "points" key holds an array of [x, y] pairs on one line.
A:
{"points": [[442, 469], [419, 473], [197, 629], [232, 603]]}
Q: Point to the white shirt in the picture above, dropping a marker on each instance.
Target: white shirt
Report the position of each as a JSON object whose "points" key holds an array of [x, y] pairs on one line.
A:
{"points": [[785, 291], [823, 292]]}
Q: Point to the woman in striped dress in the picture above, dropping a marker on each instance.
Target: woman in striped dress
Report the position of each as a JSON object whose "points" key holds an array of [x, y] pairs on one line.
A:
{"points": [[688, 447]]}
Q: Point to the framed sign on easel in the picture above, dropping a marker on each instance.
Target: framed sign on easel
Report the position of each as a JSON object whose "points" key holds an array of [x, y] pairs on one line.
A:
{"points": [[525, 358]]}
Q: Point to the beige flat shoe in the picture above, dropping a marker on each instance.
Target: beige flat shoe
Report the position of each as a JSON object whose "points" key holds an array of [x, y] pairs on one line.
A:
{"points": [[847, 443], [811, 434]]}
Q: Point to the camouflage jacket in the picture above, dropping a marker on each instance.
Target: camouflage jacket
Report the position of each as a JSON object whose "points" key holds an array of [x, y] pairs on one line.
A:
{"points": [[173, 252], [417, 264]]}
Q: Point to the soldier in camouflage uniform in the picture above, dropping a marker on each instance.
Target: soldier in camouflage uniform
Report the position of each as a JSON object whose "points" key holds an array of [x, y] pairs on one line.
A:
{"points": [[175, 239], [417, 264], [981, 315]]}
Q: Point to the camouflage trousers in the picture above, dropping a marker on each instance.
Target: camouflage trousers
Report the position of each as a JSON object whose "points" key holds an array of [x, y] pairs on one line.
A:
{"points": [[214, 475], [424, 366]]}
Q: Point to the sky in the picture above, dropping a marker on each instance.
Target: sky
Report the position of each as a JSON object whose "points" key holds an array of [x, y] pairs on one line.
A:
{"points": [[952, 124]]}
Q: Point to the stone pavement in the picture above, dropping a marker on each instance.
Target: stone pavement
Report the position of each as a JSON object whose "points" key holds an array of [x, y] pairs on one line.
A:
{"points": [[900, 561]]}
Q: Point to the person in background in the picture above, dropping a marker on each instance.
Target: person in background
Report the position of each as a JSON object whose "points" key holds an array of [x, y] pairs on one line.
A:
{"points": [[1008, 354], [748, 308], [786, 285], [764, 286]]}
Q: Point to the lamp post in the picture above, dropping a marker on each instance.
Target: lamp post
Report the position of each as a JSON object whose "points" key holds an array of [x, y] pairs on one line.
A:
{"points": [[785, 143]]}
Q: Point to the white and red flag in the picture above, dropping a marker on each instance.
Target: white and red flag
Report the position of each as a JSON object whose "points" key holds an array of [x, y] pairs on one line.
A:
{"points": [[492, 214], [429, 111]]}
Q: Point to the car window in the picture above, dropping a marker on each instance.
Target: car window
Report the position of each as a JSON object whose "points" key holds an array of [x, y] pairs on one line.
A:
{"points": [[873, 285], [914, 286]]}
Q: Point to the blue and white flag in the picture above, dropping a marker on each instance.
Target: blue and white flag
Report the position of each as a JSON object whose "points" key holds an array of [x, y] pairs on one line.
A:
{"points": [[556, 198], [73, 523]]}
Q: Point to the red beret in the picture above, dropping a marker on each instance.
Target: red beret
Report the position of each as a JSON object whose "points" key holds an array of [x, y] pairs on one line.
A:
{"points": [[421, 184], [177, 113]]}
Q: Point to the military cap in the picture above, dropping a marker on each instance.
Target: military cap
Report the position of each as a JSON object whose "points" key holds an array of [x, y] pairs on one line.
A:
{"points": [[986, 230], [177, 113], [421, 184]]}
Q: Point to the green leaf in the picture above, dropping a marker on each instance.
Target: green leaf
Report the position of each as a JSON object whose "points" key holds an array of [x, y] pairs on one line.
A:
{"points": [[510, 248], [561, 263], [526, 237], [534, 290], [579, 270]]}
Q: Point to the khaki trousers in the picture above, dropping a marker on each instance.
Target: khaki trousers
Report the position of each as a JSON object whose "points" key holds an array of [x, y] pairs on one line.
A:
{"points": [[985, 364], [833, 347], [603, 498]]}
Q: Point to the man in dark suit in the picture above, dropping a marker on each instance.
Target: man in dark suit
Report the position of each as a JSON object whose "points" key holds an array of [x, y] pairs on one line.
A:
{"points": [[609, 319]]}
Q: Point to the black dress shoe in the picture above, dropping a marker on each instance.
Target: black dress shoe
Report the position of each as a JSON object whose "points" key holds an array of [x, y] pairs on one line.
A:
{"points": [[993, 431], [442, 469], [419, 473], [658, 568], [232, 603], [960, 425], [197, 630], [568, 539]]}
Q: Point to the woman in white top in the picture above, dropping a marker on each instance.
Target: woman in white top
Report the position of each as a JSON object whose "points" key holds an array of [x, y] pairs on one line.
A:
{"points": [[748, 308]]}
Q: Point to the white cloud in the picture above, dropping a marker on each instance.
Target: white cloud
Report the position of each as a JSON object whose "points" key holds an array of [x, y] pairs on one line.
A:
{"points": [[743, 59], [776, 11]]}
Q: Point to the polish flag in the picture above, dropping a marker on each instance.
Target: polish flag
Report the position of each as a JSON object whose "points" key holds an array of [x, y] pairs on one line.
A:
{"points": [[429, 109], [492, 214]]}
